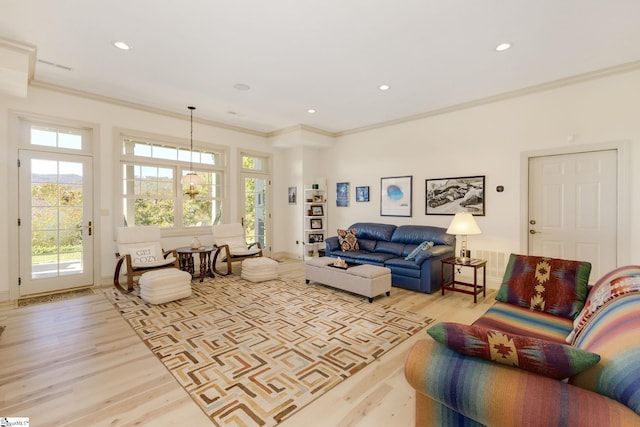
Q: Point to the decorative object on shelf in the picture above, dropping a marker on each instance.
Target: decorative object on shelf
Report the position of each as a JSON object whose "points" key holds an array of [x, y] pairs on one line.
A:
{"points": [[316, 238], [195, 243], [395, 196], [317, 210], [191, 179], [315, 186], [448, 196], [342, 194], [463, 224], [318, 198], [316, 224], [293, 195], [362, 194]]}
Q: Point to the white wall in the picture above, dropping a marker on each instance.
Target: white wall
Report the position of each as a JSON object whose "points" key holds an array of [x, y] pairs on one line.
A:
{"points": [[485, 140], [488, 140], [106, 117]]}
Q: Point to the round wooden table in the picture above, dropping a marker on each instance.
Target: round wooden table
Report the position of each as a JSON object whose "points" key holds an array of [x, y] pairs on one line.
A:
{"points": [[185, 256]]}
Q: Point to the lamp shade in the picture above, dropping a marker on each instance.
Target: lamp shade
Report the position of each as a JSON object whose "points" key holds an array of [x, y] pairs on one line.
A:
{"points": [[191, 178], [463, 224]]}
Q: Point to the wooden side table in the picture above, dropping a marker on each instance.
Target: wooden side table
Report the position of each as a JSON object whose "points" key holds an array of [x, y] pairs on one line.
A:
{"points": [[473, 263], [185, 256]]}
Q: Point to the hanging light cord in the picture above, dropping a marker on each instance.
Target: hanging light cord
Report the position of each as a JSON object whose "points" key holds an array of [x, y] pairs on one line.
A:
{"points": [[191, 151]]}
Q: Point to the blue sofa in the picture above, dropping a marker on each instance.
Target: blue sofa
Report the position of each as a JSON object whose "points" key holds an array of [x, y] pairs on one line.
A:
{"points": [[387, 245]]}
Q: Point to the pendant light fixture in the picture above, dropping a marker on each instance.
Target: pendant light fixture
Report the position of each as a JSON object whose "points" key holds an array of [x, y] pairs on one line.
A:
{"points": [[191, 179]]}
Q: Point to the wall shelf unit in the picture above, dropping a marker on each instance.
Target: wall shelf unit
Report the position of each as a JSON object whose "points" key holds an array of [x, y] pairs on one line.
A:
{"points": [[315, 221]]}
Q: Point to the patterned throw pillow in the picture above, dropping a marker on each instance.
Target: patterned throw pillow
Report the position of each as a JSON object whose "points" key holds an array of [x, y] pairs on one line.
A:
{"points": [[542, 357], [551, 285], [348, 240], [618, 282], [424, 246]]}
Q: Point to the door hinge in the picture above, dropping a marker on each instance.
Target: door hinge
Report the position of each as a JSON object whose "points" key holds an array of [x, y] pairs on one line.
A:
{"points": [[19, 281], [19, 222], [19, 164]]}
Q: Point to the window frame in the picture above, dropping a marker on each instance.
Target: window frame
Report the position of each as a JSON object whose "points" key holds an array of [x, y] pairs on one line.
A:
{"points": [[178, 166]]}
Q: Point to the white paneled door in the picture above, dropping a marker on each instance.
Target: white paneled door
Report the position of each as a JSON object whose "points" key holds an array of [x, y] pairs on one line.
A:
{"points": [[573, 208], [56, 230]]}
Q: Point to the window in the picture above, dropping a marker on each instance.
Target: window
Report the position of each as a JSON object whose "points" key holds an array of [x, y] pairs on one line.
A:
{"points": [[152, 193]]}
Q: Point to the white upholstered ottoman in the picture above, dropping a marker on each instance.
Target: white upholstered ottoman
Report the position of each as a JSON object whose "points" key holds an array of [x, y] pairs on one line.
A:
{"points": [[161, 286], [366, 280], [259, 269]]}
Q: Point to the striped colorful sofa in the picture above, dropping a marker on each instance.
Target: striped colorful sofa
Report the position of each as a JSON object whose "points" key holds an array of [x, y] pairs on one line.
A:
{"points": [[454, 389]]}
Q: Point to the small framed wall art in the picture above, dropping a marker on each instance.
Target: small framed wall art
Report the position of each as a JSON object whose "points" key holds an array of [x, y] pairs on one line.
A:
{"points": [[293, 195], [362, 194], [342, 194]]}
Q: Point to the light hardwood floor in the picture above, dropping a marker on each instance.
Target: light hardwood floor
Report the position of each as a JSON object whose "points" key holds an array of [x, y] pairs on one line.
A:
{"points": [[78, 363]]}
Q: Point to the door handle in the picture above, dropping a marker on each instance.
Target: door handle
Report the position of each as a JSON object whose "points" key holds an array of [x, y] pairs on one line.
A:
{"points": [[534, 232], [89, 228]]}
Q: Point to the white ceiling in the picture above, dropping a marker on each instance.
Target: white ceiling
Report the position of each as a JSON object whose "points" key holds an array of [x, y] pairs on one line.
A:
{"points": [[330, 55]]}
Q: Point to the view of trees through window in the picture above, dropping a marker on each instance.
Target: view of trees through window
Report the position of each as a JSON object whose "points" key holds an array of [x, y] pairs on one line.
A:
{"points": [[152, 189]]}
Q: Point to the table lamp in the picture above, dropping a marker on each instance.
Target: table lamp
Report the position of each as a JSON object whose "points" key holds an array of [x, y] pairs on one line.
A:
{"points": [[462, 225]]}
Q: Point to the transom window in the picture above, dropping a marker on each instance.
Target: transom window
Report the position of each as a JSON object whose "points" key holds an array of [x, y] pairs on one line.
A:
{"points": [[152, 192]]}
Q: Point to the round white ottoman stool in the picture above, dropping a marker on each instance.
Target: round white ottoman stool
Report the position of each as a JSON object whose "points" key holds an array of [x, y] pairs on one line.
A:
{"points": [[161, 286], [259, 269]]}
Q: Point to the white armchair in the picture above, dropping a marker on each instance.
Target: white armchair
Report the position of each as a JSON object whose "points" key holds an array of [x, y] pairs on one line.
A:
{"points": [[232, 245], [142, 251]]}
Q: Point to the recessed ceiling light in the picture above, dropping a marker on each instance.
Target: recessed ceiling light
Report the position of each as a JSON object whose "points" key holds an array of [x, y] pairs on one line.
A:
{"points": [[503, 46], [384, 87], [311, 111], [241, 86], [121, 45]]}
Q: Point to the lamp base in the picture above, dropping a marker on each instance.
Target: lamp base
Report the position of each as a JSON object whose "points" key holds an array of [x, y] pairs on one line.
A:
{"points": [[465, 256]]}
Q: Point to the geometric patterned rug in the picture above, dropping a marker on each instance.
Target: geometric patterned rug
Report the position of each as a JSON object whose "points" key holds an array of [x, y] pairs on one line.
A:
{"points": [[252, 354]]}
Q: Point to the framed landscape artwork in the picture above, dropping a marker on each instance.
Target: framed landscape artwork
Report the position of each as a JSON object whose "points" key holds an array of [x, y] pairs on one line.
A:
{"points": [[448, 196], [395, 196]]}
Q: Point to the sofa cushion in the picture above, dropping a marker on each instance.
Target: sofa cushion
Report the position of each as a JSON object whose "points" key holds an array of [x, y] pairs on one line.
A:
{"points": [[374, 257], [424, 246], [348, 240], [414, 234], [614, 333], [374, 231], [543, 357], [618, 282], [514, 319], [551, 285], [390, 248], [367, 244]]}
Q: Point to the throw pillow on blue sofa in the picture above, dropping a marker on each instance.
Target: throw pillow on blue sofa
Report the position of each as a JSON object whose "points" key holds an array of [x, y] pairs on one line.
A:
{"points": [[426, 245]]}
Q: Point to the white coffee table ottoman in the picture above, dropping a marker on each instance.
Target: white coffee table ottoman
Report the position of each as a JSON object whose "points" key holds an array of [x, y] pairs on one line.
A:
{"points": [[365, 279], [259, 269], [162, 286]]}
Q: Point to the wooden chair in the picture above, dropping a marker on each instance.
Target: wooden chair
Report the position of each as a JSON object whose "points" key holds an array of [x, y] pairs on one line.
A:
{"points": [[232, 245], [141, 250]]}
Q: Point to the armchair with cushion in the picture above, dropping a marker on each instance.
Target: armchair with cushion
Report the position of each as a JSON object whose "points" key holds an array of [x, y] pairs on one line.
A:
{"points": [[232, 245], [142, 251]]}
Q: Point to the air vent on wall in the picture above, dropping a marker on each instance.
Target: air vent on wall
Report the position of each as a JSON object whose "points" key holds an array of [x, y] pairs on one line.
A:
{"points": [[53, 64]]}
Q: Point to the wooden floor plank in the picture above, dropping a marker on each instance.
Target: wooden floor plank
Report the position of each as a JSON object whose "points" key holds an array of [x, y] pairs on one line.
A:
{"points": [[77, 362]]}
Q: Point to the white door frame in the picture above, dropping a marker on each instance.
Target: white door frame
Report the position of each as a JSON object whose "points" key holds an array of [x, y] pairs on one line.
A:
{"points": [[622, 148], [15, 142]]}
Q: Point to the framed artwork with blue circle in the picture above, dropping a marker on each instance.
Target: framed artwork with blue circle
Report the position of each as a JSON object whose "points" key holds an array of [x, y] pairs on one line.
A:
{"points": [[395, 196]]}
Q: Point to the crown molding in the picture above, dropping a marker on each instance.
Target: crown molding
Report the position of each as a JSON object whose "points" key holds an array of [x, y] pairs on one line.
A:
{"points": [[555, 84], [141, 107], [580, 78]]}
